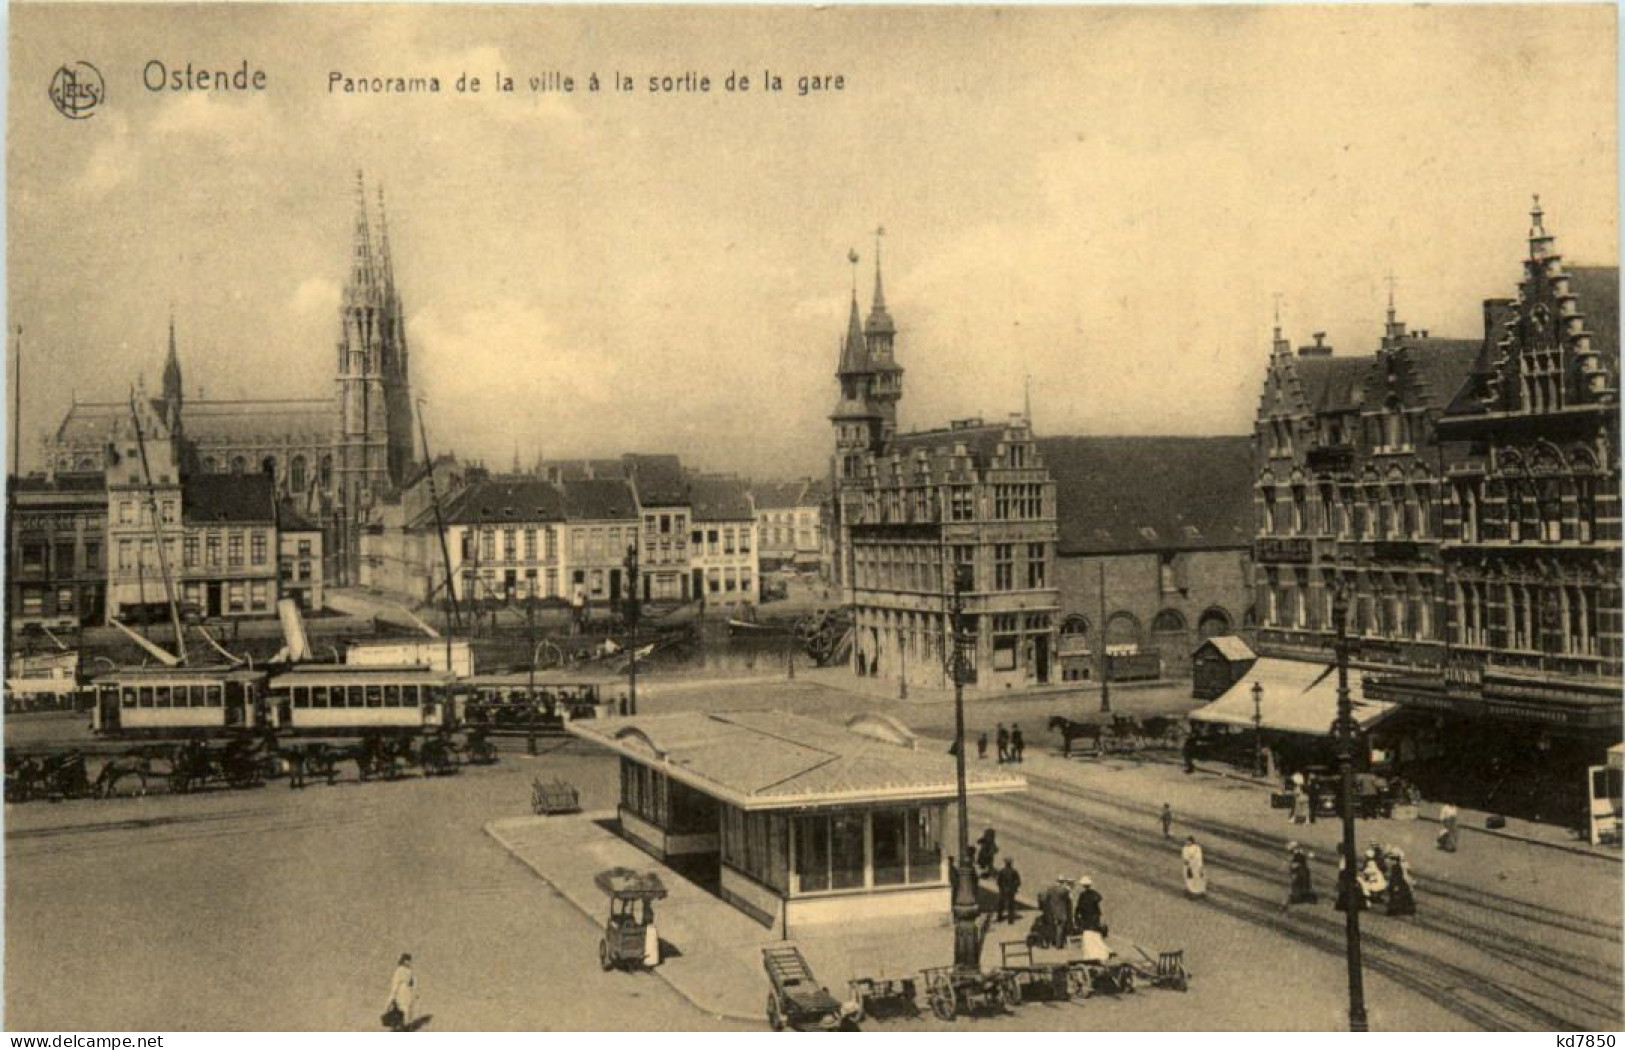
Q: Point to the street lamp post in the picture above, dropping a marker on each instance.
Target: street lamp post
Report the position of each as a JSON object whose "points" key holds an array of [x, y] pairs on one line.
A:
{"points": [[967, 938], [632, 611], [1259, 768], [1347, 733]]}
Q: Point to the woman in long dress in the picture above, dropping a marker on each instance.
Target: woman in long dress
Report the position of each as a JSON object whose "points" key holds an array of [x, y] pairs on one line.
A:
{"points": [[403, 986], [1401, 890], [1195, 869], [1302, 887]]}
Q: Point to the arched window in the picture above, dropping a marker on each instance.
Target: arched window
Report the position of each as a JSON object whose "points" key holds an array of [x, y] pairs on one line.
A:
{"points": [[1214, 622], [86, 463], [209, 465], [327, 473], [1122, 633], [238, 464], [296, 473], [268, 466], [1166, 621]]}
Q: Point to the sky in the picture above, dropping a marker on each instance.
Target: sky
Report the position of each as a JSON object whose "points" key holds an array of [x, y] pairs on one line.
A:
{"points": [[1106, 200]]}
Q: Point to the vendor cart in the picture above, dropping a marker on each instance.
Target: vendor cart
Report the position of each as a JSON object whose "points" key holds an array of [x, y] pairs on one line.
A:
{"points": [[884, 997], [630, 940], [796, 1000]]}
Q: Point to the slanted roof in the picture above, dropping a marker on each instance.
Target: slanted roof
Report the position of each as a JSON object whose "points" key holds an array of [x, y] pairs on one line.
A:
{"points": [[720, 499], [582, 469], [1229, 646], [95, 421], [763, 760], [288, 519], [88, 481], [778, 495], [207, 499], [1334, 384], [1597, 292], [981, 441], [1118, 494], [229, 422], [592, 499], [1298, 697], [494, 502], [659, 479], [1443, 365]]}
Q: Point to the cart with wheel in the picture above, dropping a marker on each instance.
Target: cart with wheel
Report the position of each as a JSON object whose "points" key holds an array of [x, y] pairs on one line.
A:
{"points": [[630, 941], [1036, 980], [952, 991], [1167, 970], [884, 997], [795, 999]]}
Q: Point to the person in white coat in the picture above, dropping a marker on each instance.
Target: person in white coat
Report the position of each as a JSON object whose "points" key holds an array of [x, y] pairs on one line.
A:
{"points": [[403, 986], [1195, 868]]}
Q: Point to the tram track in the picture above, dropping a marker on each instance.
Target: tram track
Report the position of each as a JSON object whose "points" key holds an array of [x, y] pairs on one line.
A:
{"points": [[1035, 819]]}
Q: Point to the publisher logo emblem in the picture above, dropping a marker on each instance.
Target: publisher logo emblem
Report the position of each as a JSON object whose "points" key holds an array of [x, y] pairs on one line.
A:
{"points": [[77, 90]]}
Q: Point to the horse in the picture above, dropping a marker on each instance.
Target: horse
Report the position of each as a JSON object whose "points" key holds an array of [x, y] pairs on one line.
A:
{"points": [[1071, 731]]}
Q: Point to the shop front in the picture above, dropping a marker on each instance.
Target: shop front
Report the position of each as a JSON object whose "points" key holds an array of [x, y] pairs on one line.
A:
{"points": [[810, 823]]}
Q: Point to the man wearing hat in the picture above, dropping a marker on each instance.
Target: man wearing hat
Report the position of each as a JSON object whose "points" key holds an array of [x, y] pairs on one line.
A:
{"points": [[1087, 916], [1009, 881]]}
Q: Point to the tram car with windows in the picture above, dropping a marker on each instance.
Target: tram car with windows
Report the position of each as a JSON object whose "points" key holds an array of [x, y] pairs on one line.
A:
{"points": [[350, 700], [160, 702]]}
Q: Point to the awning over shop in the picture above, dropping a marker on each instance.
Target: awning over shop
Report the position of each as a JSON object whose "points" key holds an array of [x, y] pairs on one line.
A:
{"points": [[1298, 697]]}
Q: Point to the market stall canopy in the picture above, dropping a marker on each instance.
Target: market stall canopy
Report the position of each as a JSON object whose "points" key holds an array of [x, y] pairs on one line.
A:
{"points": [[1298, 697]]}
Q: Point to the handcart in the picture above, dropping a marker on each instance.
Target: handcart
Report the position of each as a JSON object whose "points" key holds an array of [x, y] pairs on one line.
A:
{"points": [[553, 798], [1038, 981], [796, 1000], [884, 997], [630, 940], [951, 990]]}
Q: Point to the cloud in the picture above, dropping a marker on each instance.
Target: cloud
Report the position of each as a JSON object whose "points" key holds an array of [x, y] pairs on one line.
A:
{"points": [[316, 295]]}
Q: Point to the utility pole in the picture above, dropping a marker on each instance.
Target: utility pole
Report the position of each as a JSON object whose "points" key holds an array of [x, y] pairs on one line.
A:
{"points": [[440, 527], [1105, 660], [1347, 735], [966, 910], [632, 611]]}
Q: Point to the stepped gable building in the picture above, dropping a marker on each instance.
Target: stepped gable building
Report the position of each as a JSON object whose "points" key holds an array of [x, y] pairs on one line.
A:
{"points": [[1349, 490], [907, 508], [333, 458], [1531, 536], [1166, 522]]}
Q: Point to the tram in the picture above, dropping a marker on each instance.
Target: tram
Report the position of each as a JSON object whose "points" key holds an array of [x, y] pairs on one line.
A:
{"points": [[515, 702], [148, 702], [350, 700]]}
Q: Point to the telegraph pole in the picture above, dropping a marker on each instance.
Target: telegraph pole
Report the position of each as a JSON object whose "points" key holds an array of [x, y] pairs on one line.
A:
{"points": [[1105, 660], [632, 611], [1347, 735]]}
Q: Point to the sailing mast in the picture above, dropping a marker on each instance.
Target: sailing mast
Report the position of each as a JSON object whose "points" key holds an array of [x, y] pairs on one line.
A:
{"points": [[158, 534], [440, 527]]}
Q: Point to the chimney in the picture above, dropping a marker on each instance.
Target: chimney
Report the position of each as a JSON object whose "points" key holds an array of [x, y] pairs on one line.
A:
{"points": [[1320, 349]]}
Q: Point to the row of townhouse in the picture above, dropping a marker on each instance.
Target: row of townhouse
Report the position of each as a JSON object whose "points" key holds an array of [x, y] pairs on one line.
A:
{"points": [[90, 547], [1464, 495], [566, 534]]}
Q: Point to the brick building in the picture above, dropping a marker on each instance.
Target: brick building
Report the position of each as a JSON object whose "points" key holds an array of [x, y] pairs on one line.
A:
{"points": [[57, 572], [724, 554], [1166, 523], [1528, 694], [601, 516], [909, 508], [1349, 492]]}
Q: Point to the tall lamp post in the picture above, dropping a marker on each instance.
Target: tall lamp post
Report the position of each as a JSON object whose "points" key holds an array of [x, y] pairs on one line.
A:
{"points": [[967, 938], [1347, 733], [1259, 768], [632, 610]]}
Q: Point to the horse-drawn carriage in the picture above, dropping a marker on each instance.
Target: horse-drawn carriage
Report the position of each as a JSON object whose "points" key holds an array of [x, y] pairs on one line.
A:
{"points": [[1123, 734], [51, 777]]}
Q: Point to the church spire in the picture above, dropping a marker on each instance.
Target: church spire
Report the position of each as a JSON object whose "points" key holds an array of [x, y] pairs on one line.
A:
{"points": [[1393, 333], [880, 322], [172, 372], [386, 264], [363, 271]]}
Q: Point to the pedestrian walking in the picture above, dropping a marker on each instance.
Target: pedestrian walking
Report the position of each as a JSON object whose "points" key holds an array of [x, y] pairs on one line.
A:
{"points": [[1447, 834], [1314, 798], [1087, 914], [1167, 819], [981, 746], [1002, 738], [1008, 881], [1187, 751], [1300, 884], [1018, 744], [1401, 888], [987, 849], [1195, 868], [1299, 813], [403, 986]]}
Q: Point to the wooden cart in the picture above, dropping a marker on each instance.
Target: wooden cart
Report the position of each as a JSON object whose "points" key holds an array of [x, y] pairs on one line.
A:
{"points": [[952, 991], [796, 1000], [629, 931], [884, 997], [553, 798]]}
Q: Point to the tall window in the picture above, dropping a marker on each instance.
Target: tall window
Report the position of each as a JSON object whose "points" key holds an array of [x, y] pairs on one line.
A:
{"points": [[296, 474], [1004, 572], [1585, 494], [257, 548], [234, 549], [488, 544], [1036, 578], [510, 545], [530, 544]]}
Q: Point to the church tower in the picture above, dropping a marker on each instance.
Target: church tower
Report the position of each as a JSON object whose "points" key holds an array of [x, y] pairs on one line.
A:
{"points": [[871, 381], [373, 446]]}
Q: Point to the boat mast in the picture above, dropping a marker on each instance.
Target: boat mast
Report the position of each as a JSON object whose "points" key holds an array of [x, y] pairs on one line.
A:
{"points": [[440, 528], [158, 534]]}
